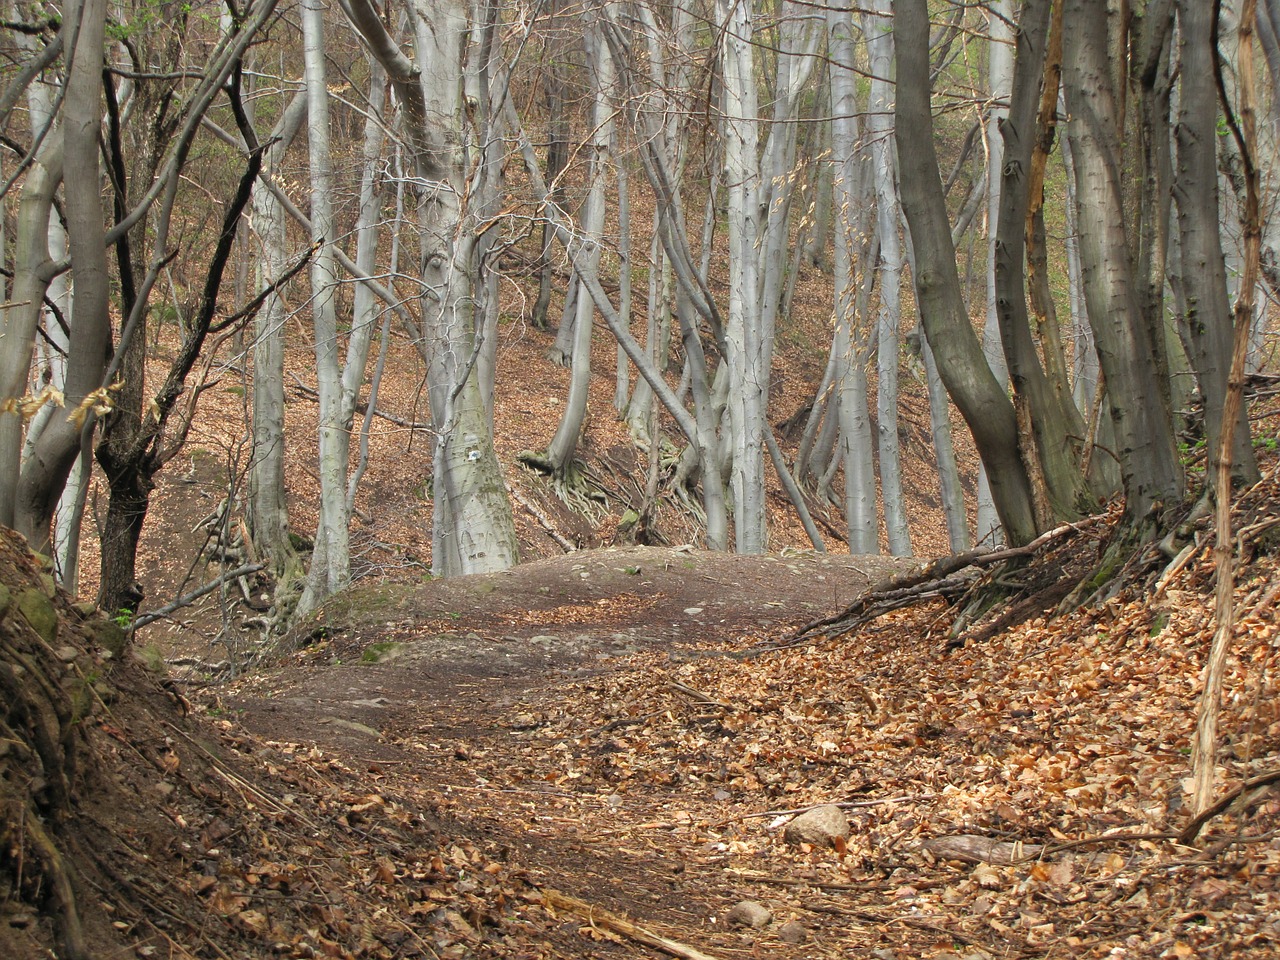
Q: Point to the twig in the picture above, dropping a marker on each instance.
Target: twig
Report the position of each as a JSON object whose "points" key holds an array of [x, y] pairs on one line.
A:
{"points": [[599, 917], [311, 394], [194, 595], [696, 695]]}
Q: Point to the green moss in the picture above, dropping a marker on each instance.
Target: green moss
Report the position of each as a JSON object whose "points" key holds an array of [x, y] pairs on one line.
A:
{"points": [[109, 635], [38, 610], [381, 652], [151, 658]]}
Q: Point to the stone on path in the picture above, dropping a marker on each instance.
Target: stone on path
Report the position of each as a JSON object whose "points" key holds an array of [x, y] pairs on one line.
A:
{"points": [[818, 827], [748, 913]]}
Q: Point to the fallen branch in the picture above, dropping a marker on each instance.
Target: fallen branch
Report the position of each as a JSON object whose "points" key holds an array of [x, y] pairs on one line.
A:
{"points": [[843, 805], [567, 545], [599, 917], [1192, 830], [153, 615], [941, 578]]}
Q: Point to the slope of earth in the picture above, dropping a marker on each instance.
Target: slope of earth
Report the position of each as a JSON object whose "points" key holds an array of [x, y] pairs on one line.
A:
{"points": [[633, 753]]}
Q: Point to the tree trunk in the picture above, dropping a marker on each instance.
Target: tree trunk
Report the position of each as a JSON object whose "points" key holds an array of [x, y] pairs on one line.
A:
{"points": [[45, 472], [1203, 273], [853, 261], [32, 273], [745, 334], [879, 32], [1000, 24], [1050, 448], [331, 559], [961, 364], [564, 445], [473, 531], [1151, 471], [267, 506]]}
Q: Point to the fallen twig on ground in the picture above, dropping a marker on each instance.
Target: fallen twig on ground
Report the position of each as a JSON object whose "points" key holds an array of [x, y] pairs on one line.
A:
{"points": [[602, 918]]}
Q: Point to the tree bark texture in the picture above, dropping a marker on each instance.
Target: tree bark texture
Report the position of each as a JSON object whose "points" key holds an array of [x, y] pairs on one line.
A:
{"points": [[961, 363], [1150, 469]]}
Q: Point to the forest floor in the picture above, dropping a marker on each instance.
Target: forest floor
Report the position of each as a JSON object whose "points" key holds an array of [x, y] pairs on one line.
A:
{"points": [[596, 754]]}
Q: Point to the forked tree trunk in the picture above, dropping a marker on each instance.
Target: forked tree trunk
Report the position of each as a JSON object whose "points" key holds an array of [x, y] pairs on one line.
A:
{"points": [[961, 364], [1152, 473]]}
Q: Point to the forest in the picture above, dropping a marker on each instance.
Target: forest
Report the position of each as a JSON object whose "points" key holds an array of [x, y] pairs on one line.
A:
{"points": [[357, 333]]}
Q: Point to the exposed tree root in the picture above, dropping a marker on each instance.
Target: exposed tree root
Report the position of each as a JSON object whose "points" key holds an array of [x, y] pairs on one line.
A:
{"points": [[40, 763], [948, 578]]}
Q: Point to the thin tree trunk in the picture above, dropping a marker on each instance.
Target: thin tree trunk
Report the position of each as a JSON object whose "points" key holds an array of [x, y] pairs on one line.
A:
{"points": [[267, 507], [879, 32], [563, 446], [330, 560], [745, 334], [1203, 273]]}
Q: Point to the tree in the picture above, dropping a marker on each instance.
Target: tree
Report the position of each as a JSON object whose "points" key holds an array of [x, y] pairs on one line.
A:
{"points": [[473, 531], [961, 363], [1126, 336]]}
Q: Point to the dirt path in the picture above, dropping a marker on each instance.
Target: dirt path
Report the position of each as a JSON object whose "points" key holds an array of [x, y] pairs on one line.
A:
{"points": [[458, 693]]}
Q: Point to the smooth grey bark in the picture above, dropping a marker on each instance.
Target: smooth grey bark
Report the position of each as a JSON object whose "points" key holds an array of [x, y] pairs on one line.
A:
{"points": [[267, 506], [949, 488], [1203, 274], [331, 558], [745, 332], [33, 270], [1151, 471], [1050, 428], [564, 444], [879, 32], [473, 530], [472, 527], [1000, 22], [44, 473], [961, 363], [844, 389]]}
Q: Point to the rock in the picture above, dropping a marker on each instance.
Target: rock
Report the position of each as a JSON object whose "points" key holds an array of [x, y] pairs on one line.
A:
{"points": [[818, 827], [67, 654], [793, 931], [5, 599], [38, 610], [354, 726], [108, 634], [748, 913]]}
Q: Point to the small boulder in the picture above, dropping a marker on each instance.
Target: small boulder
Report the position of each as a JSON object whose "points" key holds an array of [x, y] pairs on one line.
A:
{"points": [[818, 827], [748, 913], [793, 931], [39, 611]]}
